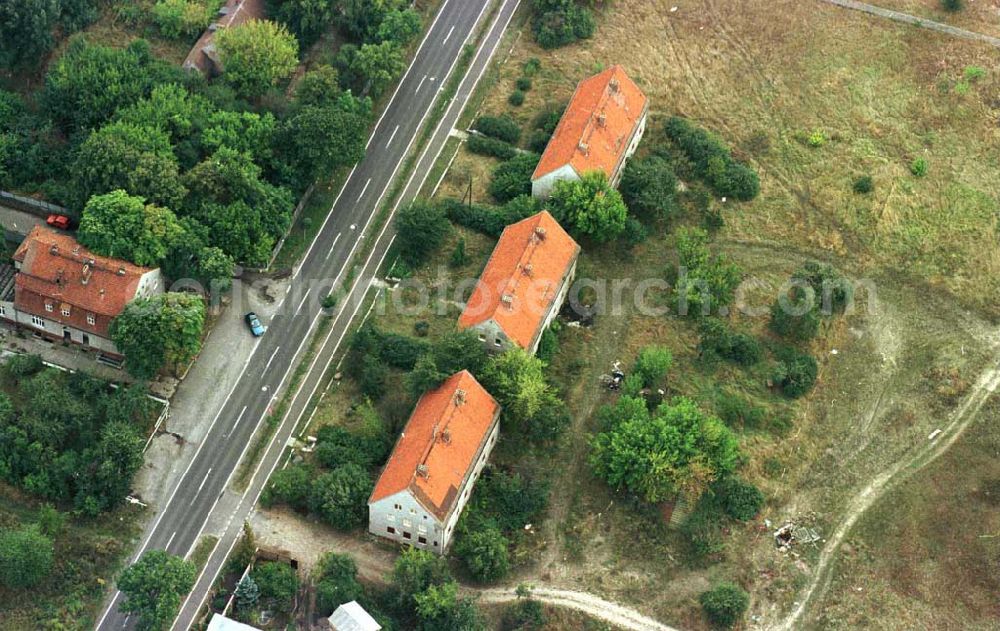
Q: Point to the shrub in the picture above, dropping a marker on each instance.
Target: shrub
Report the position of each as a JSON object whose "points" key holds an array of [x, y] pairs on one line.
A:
{"points": [[741, 500], [649, 188], [952, 5], [340, 497], [548, 346], [182, 18], [484, 552], [513, 177], [739, 347], [562, 24], [817, 138], [864, 185], [725, 604], [973, 73], [548, 119], [421, 328], [653, 364], [289, 486], [516, 98], [421, 228], [278, 583], [26, 557], [538, 140], [336, 446], [919, 167], [702, 529], [796, 318], [372, 377], [502, 128], [523, 84], [795, 373], [486, 146], [735, 410], [336, 582], [531, 67], [713, 160], [634, 232], [831, 290], [21, 366]]}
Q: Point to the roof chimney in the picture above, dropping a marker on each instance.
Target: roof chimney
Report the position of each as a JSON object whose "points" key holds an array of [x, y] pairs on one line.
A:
{"points": [[527, 269], [422, 471], [121, 271], [540, 231], [85, 277], [508, 300], [602, 119], [613, 85], [54, 249], [459, 396], [446, 436], [584, 148]]}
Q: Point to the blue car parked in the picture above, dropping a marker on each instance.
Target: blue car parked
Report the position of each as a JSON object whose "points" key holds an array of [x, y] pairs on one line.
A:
{"points": [[254, 323]]}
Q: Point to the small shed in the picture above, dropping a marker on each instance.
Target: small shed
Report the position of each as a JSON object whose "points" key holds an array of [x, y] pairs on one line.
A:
{"points": [[222, 623], [352, 617]]}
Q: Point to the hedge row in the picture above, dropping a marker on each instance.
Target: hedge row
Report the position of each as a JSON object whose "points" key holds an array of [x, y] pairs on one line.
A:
{"points": [[716, 165], [486, 146], [502, 128], [489, 220]]}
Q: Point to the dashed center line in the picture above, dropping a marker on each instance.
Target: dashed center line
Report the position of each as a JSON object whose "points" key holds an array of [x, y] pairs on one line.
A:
{"points": [[240, 417], [200, 487], [392, 136], [304, 298], [333, 245], [446, 37], [272, 357], [420, 85], [365, 189], [169, 541]]}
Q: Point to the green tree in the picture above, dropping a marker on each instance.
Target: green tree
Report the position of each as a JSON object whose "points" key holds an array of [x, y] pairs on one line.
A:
{"points": [[675, 449], [653, 364], [26, 557], [318, 87], [399, 26], [175, 111], [307, 19], [278, 584], [320, 139], [421, 228], [741, 500], [114, 462], [90, 82], [123, 226], [290, 486], [247, 132], [439, 608], [589, 206], [340, 497], [256, 55], [415, 571], [26, 30], [512, 178], [136, 159], [336, 578], [561, 22], [425, 376], [725, 604], [517, 380], [379, 65], [154, 586], [707, 281], [182, 18], [649, 188], [484, 552], [157, 331], [247, 593], [795, 315], [361, 19]]}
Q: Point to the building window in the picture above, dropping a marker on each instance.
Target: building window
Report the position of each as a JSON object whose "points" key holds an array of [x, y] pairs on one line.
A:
{"points": [[397, 507], [422, 540], [498, 342], [48, 307], [91, 319], [36, 321], [482, 337], [3, 310], [65, 312], [390, 517], [391, 530], [407, 523], [435, 544], [422, 528], [407, 535]]}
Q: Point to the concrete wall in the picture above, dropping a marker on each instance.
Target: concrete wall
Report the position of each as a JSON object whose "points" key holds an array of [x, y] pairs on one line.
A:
{"points": [[405, 515], [542, 187]]}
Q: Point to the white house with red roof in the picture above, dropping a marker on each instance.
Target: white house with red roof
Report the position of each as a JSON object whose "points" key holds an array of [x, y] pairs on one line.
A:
{"points": [[63, 291], [599, 131], [434, 465], [523, 285]]}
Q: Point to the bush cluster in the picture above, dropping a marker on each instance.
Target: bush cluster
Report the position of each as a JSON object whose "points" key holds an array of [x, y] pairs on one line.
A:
{"points": [[561, 22], [795, 372], [487, 146], [736, 346], [713, 160], [725, 604], [513, 177], [490, 220], [502, 128]]}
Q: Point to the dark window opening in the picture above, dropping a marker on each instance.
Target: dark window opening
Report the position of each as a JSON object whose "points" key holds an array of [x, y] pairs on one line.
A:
{"points": [[422, 540], [406, 535], [391, 530]]}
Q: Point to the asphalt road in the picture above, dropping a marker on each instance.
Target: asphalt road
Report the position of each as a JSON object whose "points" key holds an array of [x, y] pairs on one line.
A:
{"points": [[182, 519]]}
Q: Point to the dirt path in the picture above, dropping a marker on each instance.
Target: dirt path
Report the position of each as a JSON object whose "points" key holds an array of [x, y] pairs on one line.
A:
{"points": [[914, 20], [587, 603], [960, 419]]}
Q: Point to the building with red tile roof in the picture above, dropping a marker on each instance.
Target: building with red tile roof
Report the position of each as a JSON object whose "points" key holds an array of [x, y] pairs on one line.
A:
{"points": [[436, 461], [63, 291], [523, 285], [600, 130], [203, 56]]}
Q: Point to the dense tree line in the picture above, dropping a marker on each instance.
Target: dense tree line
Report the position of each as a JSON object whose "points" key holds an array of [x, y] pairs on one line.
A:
{"points": [[69, 438], [28, 27]]}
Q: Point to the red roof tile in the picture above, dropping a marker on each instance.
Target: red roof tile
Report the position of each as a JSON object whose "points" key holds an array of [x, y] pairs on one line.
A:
{"points": [[445, 433], [522, 278], [53, 266], [594, 132]]}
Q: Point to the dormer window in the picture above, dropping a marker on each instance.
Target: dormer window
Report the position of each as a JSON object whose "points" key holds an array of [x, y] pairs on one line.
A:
{"points": [[91, 319], [65, 311], [48, 306]]}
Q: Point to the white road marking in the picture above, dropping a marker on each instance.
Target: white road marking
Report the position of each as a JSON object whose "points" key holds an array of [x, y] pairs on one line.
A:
{"points": [[125, 624], [239, 418], [170, 540], [366, 185], [448, 36], [391, 136], [333, 245], [272, 356], [304, 298], [420, 85], [289, 288], [200, 487]]}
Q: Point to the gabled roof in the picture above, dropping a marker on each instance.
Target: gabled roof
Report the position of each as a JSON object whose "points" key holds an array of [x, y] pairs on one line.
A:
{"points": [[438, 447], [352, 617], [522, 278], [54, 265], [222, 623], [595, 130]]}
